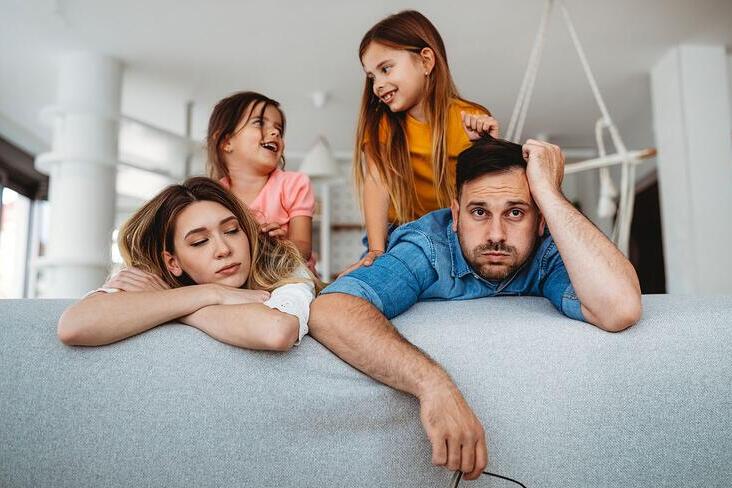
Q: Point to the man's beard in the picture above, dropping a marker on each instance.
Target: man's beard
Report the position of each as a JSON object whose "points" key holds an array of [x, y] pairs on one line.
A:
{"points": [[494, 272]]}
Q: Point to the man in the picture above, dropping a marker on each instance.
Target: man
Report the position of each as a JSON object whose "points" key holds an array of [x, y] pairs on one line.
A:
{"points": [[494, 240]]}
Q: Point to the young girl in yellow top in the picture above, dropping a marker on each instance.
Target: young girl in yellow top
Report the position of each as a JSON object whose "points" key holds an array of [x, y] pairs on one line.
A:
{"points": [[412, 126]]}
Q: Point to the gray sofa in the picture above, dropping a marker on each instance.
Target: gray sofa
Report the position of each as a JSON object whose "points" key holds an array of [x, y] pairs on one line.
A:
{"points": [[564, 404]]}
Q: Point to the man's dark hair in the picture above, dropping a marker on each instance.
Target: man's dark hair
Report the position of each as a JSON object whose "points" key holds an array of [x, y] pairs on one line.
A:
{"points": [[487, 155]]}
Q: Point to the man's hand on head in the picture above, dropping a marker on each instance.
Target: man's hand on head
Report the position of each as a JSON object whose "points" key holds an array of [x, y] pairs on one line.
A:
{"points": [[544, 166]]}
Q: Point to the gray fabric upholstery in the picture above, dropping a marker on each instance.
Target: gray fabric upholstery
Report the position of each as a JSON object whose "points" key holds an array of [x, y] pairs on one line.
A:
{"points": [[564, 404]]}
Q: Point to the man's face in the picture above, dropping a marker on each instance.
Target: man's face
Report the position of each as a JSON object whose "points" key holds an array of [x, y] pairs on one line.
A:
{"points": [[497, 223]]}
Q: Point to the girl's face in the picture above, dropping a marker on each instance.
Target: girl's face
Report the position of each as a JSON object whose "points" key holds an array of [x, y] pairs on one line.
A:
{"points": [[399, 76], [257, 143], [210, 246]]}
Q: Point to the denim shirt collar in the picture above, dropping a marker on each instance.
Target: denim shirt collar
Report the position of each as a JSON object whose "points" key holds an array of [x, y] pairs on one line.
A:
{"points": [[460, 266]]}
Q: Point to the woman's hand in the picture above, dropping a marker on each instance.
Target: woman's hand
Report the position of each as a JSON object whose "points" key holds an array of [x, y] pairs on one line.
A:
{"points": [[478, 125], [134, 279], [227, 295], [367, 260], [273, 229]]}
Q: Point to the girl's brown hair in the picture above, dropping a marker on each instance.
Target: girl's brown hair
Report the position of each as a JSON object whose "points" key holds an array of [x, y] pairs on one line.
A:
{"points": [[150, 231], [412, 31], [222, 124]]}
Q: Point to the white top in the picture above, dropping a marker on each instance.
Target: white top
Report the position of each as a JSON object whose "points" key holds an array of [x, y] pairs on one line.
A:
{"points": [[292, 298], [295, 298]]}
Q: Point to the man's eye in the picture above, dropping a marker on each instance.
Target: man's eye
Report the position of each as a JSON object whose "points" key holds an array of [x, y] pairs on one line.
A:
{"points": [[515, 212], [386, 69], [479, 212]]}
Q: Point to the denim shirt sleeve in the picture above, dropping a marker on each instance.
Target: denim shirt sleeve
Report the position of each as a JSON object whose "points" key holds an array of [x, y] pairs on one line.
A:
{"points": [[395, 280], [556, 286]]}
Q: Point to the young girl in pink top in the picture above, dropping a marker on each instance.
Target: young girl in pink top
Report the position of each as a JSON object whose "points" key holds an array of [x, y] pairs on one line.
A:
{"points": [[245, 155]]}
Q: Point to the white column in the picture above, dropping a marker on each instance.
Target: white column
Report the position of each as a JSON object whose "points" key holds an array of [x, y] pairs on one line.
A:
{"points": [[693, 127], [82, 169]]}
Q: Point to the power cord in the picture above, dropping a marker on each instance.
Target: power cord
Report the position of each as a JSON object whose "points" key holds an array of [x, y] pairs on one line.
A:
{"points": [[457, 476]]}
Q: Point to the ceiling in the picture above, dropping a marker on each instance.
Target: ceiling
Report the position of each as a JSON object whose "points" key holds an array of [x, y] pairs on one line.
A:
{"points": [[176, 51]]}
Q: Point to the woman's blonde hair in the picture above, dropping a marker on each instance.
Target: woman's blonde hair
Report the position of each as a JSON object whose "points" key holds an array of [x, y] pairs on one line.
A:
{"points": [[150, 232], [224, 119], [411, 31]]}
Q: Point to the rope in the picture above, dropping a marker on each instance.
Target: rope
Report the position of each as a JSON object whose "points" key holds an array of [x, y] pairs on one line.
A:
{"points": [[527, 84], [607, 205], [621, 231]]}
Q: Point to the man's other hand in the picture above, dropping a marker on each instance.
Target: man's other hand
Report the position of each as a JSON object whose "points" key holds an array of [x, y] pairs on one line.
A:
{"points": [[456, 434]]}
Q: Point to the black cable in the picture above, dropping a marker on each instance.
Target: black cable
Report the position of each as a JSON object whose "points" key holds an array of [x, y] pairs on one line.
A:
{"points": [[457, 476], [504, 478]]}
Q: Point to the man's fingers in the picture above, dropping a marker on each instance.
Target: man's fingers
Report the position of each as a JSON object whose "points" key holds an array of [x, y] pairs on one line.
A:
{"points": [[481, 460], [439, 451], [454, 451], [467, 455]]}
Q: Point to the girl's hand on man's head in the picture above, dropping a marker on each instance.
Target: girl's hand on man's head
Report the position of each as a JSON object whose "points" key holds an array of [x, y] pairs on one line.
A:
{"points": [[478, 125], [134, 279]]}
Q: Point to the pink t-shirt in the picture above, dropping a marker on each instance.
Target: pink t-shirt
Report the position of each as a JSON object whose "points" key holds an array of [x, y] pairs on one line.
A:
{"points": [[286, 194]]}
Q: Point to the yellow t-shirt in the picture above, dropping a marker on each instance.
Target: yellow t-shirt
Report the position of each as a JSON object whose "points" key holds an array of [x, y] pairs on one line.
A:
{"points": [[419, 142]]}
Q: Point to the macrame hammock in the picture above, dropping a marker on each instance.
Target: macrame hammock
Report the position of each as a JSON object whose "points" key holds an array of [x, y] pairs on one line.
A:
{"points": [[607, 206]]}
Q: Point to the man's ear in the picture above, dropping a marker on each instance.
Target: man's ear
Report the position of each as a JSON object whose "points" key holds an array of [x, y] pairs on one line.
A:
{"points": [[455, 209], [542, 225], [428, 60], [171, 262]]}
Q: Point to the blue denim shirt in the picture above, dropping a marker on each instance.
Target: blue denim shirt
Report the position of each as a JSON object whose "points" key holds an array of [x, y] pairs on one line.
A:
{"points": [[424, 262]]}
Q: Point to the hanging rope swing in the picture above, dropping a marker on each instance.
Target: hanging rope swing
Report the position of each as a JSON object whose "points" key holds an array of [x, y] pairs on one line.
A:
{"points": [[607, 206]]}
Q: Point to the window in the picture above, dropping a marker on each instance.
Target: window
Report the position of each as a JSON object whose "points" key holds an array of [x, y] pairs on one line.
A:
{"points": [[14, 232]]}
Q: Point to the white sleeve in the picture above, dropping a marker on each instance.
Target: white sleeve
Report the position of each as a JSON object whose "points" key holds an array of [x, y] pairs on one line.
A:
{"points": [[103, 290], [294, 298]]}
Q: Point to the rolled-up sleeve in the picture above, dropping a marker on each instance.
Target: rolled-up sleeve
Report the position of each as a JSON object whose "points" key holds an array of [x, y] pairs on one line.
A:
{"points": [[557, 287], [395, 280]]}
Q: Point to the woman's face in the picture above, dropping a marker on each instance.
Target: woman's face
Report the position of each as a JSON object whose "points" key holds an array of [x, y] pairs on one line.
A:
{"points": [[257, 143], [210, 246]]}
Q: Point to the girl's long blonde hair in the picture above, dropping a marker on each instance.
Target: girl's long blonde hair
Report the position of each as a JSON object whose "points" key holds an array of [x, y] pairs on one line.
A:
{"points": [[412, 31], [150, 231]]}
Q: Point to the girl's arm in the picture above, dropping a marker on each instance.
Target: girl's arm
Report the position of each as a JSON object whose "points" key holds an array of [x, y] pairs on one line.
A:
{"points": [[251, 325], [376, 210], [300, 233], [376, 215], [103, 318]]}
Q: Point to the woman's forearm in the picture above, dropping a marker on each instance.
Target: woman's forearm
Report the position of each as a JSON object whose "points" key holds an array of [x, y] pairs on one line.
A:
{"points": [[251, 325], [103, 318]]}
